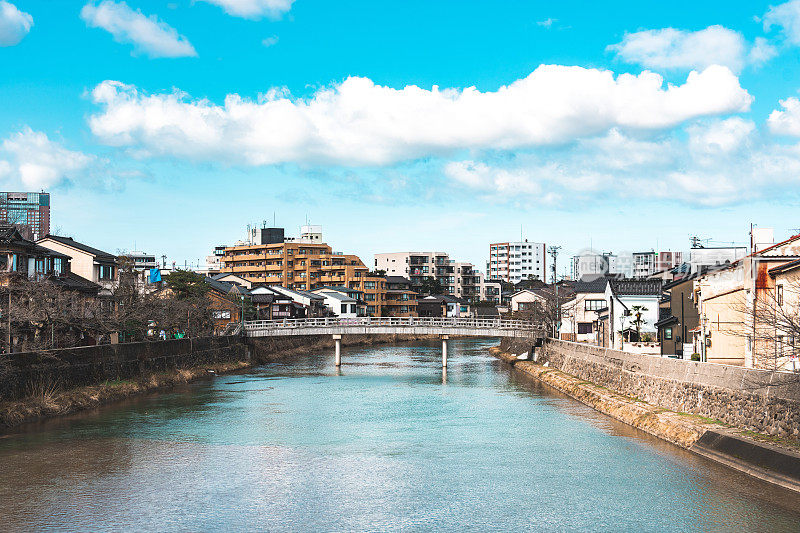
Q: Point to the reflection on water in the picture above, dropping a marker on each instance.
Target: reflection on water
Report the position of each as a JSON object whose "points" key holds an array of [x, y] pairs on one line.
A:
{"points": [[388, 442]]}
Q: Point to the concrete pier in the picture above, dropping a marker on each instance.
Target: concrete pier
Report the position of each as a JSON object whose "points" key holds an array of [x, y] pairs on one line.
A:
{"points": [[338, 340]]}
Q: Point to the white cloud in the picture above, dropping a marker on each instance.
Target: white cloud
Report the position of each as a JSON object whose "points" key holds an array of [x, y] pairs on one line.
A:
{"points": [[787, 18], [669, 48], [761, 52], [718, 162], [270, 41], [149, 35], [254, 9], [14, 24], [787, 120], [36, 162], [720, 136], [546, 23], [360, 123]]}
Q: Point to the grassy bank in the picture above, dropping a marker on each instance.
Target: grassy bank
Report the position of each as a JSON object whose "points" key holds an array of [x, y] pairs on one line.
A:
{"points": [[48, 401]]}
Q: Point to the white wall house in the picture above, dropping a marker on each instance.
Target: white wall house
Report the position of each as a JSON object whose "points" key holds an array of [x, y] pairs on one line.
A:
{"points": [[90, 263], [340, 304], [580, 316], [623, 297], [525, 300]]}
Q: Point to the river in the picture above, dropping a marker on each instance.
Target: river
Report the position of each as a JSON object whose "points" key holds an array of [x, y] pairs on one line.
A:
{"points": [[386, 443]]}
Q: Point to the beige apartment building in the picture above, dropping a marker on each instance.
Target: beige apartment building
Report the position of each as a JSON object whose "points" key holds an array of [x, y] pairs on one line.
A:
{"points": [[302, 265], [459, 279]]}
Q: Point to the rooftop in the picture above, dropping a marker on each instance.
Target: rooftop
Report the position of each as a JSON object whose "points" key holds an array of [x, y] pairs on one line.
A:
{"points": [[69, 241]]}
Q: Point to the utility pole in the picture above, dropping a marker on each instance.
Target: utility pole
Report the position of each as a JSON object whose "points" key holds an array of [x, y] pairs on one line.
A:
{"points": [[553, 251]]}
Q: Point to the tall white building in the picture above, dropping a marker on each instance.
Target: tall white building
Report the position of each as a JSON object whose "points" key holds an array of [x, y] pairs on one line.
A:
{"points": [[516, 261]]}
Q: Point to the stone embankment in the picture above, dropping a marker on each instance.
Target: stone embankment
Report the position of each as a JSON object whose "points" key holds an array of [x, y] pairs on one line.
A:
{"points": [[37, 385], [744, 419]]}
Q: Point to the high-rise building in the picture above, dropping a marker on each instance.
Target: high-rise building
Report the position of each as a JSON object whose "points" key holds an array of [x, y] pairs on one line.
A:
{"points": [[516, 261], [29, 212]]}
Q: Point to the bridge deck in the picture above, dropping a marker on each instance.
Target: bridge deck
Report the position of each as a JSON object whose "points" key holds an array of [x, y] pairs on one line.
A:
{"points": [[471, 327]]}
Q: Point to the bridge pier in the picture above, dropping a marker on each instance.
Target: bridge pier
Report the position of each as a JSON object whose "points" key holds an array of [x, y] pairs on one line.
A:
{"points": [[444, 350], [337, 339]]}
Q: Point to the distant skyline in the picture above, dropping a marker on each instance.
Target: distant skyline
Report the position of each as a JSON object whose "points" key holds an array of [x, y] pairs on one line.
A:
{"points": [[405, 126]]}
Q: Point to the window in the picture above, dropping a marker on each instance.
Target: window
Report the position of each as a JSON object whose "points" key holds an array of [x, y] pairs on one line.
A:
{"points": [[779, 294], [667, 334], [344, 309], [594, 305], [106, 272], [352, 308], [584, 328]]}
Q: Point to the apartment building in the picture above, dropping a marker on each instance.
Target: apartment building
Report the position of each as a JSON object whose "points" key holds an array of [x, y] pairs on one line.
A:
{"points": [[516, 261], [458, 279], [401, 300], [646, 264], [301, 265], [492, 291]]}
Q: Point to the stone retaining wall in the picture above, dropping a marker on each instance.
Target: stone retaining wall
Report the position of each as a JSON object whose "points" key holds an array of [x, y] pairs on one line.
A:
{"points": [[27, 373], [758, 400]]}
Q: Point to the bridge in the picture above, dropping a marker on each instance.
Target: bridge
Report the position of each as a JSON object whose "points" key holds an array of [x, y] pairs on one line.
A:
{"points": [[444, 327]]}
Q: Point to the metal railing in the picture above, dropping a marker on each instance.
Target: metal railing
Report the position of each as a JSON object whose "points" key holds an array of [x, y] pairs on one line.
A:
{"points": [[334, 322]]}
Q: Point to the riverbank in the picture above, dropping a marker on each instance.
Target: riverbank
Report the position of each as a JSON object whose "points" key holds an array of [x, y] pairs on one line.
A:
{"points": [[765, 457], [47, 399]]}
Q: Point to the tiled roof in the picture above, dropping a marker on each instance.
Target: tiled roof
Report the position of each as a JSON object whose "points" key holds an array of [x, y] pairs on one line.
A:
{"points": [[226, 287], [596, 285], [75, 282], [791, 265], [69, 241], [636, 287]]}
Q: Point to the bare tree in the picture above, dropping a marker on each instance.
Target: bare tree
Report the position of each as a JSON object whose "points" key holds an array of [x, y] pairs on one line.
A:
{"points": [[772, 325]]}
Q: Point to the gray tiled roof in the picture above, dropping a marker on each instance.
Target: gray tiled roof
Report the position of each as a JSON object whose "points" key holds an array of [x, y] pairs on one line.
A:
{"points": [[636, 287], [69, 241]]}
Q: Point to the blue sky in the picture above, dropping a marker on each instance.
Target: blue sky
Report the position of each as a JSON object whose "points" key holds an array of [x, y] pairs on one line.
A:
{"points": [[624, 125]]}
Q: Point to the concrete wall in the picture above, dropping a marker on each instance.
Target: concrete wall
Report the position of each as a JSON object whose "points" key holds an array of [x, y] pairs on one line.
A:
{"points": [[759, 400], [26, 373]]}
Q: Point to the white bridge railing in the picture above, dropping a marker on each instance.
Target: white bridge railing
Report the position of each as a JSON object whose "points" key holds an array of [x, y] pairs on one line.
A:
{"points": [[333, 322]]}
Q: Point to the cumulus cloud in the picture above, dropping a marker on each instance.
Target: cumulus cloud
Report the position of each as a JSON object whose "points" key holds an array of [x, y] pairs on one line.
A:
{"points": [[669, 48], [149, 35], [36, 162], [787, 18], [14, 24], [717, 162], [254, 9], [786, 121], [360, 123]]}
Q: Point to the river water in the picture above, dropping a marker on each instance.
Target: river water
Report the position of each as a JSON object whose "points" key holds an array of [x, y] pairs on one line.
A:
{"points": [[387, 443]]}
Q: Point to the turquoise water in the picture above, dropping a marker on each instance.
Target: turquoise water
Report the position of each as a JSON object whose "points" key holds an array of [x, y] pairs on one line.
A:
{"points": [[387, 443]]}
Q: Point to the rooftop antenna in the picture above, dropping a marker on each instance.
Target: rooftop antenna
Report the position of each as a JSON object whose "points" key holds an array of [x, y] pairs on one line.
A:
{"points": [[274, 217]]}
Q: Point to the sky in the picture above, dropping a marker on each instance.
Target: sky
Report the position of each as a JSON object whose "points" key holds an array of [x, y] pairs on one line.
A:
{"points": [[168, 127]]}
